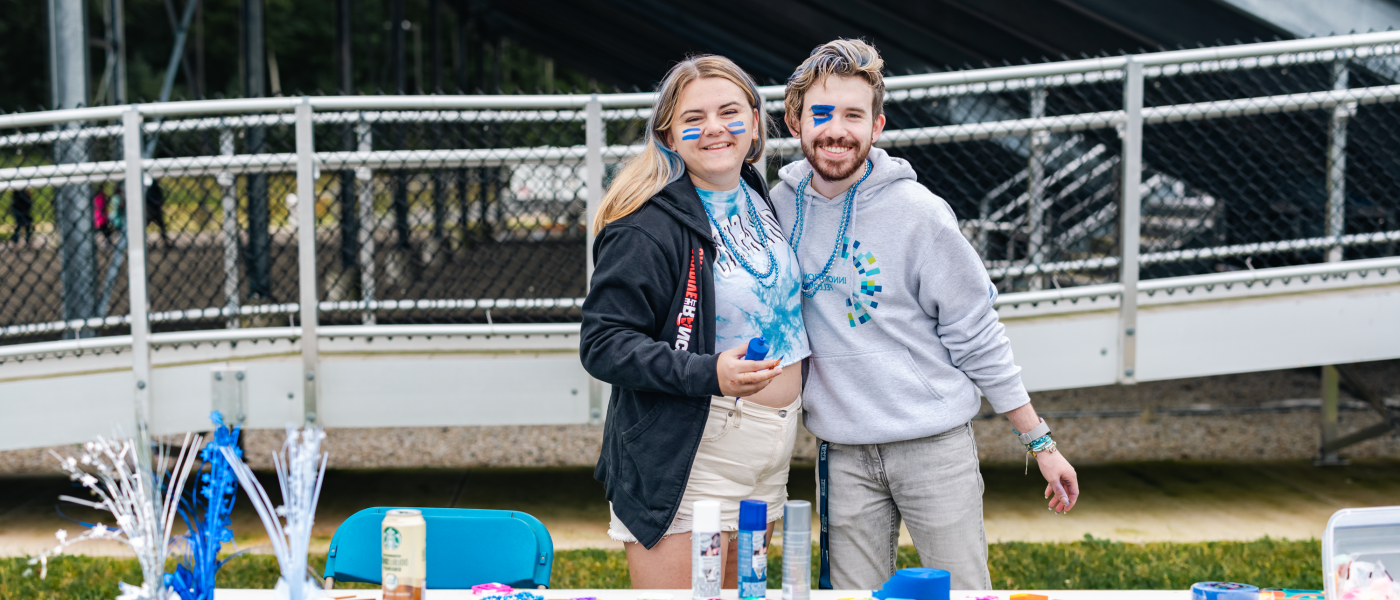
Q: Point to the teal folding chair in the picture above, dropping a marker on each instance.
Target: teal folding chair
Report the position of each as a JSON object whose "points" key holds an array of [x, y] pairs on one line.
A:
{"points": [[466, 547]]}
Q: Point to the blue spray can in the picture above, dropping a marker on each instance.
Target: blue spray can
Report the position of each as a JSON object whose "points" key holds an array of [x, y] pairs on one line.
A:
{"points": [[758, 349], [753, 548]]}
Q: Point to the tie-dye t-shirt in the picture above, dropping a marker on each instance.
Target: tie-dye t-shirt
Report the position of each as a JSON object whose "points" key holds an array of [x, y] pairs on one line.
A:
{"points": [[744, 308]]}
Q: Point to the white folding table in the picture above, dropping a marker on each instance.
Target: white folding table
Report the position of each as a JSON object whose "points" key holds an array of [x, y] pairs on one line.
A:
{"points": [[726, 595]]}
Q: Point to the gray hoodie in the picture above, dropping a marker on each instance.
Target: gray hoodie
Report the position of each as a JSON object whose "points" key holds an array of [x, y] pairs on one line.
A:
{"points": [[902, 328]]}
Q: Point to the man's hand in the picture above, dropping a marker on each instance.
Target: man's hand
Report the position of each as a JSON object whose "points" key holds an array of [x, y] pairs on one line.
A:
{"points": [[1063, 488], [739, 377]]}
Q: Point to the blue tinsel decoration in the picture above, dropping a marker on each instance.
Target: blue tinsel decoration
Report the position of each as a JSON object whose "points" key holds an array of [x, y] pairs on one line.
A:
{"points": [[205, 511]]}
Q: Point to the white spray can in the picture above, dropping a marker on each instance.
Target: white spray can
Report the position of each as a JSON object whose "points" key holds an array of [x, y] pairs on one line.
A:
{"points": [[706, 542]]}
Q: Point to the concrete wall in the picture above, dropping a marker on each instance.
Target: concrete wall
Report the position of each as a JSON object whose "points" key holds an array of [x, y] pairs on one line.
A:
{"points": [[1255, 416]]}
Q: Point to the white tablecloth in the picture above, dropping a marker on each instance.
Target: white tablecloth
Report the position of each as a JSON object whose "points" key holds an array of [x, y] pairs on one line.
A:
{"points": [[726, 595]]}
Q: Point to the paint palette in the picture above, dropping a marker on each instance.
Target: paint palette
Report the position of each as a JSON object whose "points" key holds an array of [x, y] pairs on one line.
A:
{"points": [[1290, 595]]}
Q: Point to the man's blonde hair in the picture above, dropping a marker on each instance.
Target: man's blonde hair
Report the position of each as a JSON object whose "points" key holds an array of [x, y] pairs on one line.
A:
{"points": [[841, 57]]}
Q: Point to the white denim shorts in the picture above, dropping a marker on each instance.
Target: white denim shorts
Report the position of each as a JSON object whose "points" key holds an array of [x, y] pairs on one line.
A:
{"points": [[744, 455]]}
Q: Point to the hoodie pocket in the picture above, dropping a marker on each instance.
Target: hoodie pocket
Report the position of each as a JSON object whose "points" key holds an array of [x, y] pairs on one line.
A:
{"points": [[889, 373]]}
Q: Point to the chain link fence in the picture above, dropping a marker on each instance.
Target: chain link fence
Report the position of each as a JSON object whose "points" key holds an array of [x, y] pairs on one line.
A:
{"points": [[480, 216]]}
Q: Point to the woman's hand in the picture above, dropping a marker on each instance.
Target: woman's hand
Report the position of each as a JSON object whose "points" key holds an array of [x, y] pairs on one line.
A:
{"points": [[739, 377], [1063, 488]]}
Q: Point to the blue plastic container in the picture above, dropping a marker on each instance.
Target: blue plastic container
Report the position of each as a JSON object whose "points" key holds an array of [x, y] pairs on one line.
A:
{"points": [[1221, 590], [753, 548], [916, 584]]}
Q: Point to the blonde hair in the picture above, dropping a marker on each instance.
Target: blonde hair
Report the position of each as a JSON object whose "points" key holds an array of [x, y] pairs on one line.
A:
{"points": [[658, 165], [843, 58]]}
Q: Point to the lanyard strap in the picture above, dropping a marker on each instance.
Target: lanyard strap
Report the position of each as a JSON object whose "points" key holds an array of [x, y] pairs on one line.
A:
{"points": [[824, 579]]}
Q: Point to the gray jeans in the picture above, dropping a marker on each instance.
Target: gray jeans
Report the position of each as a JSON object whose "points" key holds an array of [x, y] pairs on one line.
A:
{"points": [[932, 483]]}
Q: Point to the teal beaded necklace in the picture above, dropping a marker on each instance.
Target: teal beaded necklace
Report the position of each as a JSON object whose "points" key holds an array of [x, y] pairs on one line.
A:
{"points": [[762, 239], [809, 288]]}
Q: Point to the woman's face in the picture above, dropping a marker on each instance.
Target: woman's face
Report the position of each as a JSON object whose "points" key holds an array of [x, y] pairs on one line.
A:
{"points": [[713, 130]]}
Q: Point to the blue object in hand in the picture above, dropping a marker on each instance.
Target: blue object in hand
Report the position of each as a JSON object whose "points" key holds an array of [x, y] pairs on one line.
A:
{"points": [[916, 584], [758, 349]]}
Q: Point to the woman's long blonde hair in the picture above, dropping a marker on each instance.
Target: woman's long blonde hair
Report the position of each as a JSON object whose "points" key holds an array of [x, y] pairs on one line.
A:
{"points": [[658, 165]]}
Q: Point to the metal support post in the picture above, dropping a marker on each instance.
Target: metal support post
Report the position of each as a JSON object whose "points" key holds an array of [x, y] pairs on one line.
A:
{"points": [[1128, 230], [259, 267], [594, 135], [229, 193], [119, 49], [1035, 189], [1337, 162], [306, 255], [1336, 226], [1331, 399], [68, 79], [364, 199], [136, 293], [1390, 419], [177, 57]]}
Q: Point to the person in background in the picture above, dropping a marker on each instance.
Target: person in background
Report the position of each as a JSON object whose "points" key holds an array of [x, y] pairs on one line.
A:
{"points": [[99, 214], [116, 214], [155, 208], [691, 265], [904, 333], [22, 209]]}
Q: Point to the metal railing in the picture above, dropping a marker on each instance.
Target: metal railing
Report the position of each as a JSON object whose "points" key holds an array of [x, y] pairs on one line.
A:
{"points": [[1105, 176]]}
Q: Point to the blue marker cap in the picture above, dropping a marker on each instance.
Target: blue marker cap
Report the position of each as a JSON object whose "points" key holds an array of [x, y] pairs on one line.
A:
{"points": [[753, 514], [758, 349]]}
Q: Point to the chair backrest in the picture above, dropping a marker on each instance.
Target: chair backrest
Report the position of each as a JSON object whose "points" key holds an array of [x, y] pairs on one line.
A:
{"points": [[466, 547]]}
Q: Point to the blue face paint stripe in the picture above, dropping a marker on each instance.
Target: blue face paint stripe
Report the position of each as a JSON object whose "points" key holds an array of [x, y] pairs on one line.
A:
{"points": [[691, 134], [737, 127], [821, 113]]}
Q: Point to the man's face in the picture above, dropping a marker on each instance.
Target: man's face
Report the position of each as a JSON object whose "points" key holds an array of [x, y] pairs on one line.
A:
{"points": [[837, 127]]}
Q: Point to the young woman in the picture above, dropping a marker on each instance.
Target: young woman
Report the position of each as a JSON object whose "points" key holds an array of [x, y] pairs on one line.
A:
{"points": [[690, 264]]}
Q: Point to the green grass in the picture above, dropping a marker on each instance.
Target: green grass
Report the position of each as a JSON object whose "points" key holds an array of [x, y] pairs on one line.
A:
{"points": [[1090, 564]]}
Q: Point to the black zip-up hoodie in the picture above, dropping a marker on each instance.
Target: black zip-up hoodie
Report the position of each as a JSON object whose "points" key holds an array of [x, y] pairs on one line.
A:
{"points": [[649, 330]]}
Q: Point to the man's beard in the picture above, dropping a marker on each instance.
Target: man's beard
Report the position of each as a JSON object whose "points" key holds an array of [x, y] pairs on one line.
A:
{"points": [[830, 170]]}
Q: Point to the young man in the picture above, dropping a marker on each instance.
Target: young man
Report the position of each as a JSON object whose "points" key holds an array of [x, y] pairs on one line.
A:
{"points": [[899, 311]]}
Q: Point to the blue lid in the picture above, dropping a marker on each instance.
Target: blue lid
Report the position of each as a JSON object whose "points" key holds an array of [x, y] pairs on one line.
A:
{"points": [[917, 583], [753, 514], [758, 348], [1223, 590]]}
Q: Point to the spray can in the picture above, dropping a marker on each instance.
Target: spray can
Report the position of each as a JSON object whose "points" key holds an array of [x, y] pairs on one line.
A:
{"points": [[753, 549], [706, 541], [797, 550]]}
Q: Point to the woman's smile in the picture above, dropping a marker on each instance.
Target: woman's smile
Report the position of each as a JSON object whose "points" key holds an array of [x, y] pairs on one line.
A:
{"points": [[712, 132]]}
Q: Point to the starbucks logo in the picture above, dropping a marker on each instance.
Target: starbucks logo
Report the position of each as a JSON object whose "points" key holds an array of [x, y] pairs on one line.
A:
{"points": [[391, 580], [392, 538]]}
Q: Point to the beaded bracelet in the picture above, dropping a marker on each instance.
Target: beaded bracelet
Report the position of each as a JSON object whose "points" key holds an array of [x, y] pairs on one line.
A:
{"points": [[1040, 444]]}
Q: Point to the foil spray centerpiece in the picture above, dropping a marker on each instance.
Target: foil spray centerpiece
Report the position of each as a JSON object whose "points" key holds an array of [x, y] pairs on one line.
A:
{"points": [[206, 514], [301, 467], [142, 506]]}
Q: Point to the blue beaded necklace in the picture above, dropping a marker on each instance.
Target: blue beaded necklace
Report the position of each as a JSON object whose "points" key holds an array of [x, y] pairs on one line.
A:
{"points": [[809, 288], [762, 238]]}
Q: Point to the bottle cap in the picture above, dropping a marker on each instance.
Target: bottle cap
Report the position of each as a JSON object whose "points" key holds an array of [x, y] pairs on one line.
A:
{"points": [[797, 516], [753, 515], [706, 515], [758, 349]]}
